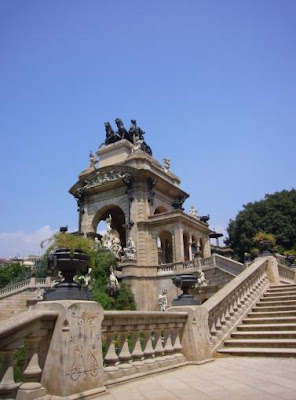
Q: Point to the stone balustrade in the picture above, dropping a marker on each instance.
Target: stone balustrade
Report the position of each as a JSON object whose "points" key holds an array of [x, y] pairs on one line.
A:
{"points": [[227, 307], [287, 275], [137, 343], [34, 330], [27, 284]]}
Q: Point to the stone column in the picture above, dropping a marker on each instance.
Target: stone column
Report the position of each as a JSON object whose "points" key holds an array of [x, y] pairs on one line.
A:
{"points": [[179, 244], [190, 249], [74, 363]]}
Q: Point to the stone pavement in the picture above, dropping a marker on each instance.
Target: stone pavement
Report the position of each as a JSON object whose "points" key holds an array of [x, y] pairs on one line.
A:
{"points": [[231, 378]]}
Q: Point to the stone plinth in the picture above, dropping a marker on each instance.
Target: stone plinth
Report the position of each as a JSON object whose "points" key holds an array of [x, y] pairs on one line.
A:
{"points": [[74, 364]]}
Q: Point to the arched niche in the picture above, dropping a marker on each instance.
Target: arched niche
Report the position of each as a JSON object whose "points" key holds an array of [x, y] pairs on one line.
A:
{"points": [[160, 210], [118, 220], [165, 247]]}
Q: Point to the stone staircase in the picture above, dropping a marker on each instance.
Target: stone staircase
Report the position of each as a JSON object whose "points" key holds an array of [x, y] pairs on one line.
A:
{"points": [[269, 329]]}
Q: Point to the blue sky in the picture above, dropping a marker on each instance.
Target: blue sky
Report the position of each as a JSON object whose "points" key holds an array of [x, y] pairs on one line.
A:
{"points": [[212, 83]]}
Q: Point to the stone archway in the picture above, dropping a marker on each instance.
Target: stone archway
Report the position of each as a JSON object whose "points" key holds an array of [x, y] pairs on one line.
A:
{"points": [[165, 247], [118, 221]]}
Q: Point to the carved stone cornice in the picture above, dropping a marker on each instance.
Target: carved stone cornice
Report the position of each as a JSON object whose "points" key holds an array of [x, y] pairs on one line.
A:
{"points": [[106, 177]]}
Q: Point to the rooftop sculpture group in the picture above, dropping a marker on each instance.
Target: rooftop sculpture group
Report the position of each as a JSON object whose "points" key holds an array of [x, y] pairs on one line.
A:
{"points": [[135, 135]]}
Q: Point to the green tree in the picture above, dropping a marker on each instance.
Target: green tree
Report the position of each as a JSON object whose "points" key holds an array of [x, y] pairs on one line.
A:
{"points": [[275, 214], [13, 273]]}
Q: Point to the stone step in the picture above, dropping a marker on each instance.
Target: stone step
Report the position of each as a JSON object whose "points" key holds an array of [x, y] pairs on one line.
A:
{"points": [[270, 320], [270, 343], [267, 327], [277, 299], [274, 308], [279, 294], [281, 287], [275, 302], [253, 351], [267, 314], [264, 334]]}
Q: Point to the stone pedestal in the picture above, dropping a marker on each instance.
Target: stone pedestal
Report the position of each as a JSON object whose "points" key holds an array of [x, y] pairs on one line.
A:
{"points": [[74, 363]]}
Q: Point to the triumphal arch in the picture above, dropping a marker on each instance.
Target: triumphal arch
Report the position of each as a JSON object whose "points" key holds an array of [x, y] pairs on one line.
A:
{"points": [[142, 202]]}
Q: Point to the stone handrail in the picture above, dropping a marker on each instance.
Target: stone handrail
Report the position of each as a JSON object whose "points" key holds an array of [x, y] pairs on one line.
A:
{"points": [[138, 342], [229, 265], [33, 329], [23, 285], [282, 260], [286, 274], [227, 307]]}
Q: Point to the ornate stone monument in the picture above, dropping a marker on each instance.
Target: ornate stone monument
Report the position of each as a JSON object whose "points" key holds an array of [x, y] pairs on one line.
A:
{"points": [[143, 205]]}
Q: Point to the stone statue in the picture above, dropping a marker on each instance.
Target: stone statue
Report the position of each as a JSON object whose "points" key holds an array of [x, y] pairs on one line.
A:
{"points": [[40, 294], [110, 239], [193, 212], [167, 163], [113, 285], [130, 250], [201, 280], [122, 132], [92, 159], [111, 136], [137, 144], [162, 300]]}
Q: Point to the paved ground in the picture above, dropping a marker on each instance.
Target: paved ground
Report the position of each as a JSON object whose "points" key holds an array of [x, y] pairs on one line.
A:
{"points": [[246, 378]]}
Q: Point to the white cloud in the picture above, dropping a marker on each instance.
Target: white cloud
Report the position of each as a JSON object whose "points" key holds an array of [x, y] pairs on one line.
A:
{"points": [[22, 244]]}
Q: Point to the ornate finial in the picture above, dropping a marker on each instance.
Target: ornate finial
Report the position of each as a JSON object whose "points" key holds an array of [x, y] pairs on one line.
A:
{"points": [[167, 163]]}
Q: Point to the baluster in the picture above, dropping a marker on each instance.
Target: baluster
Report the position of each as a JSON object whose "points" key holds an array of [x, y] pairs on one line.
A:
{"points": [[227, 314], [137, 352], [158, 347], [111, 358], [148, 350], [168, 348], [223, 321], [8, 386], [124, 353], [32, 387], [177, 343], [235, 306]]}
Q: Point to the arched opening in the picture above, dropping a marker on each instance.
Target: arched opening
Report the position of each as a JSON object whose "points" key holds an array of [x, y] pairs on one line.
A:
{"points": [[186, 246], [160, 210], [117, 222], [165, 248]]}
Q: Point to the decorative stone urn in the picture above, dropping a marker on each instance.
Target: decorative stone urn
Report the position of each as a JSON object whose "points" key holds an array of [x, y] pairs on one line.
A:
{"points": [[265, 247], [69, 264], [185, 282]]}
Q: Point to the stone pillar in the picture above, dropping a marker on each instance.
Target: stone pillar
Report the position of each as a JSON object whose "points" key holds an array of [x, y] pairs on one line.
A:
{"points": [[74, 364], [272, 270], [179, 244], [190, 250], [196, 336]]}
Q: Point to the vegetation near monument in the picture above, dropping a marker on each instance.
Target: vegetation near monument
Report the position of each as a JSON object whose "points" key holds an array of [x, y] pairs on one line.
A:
{"points": [[274, 215]]}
